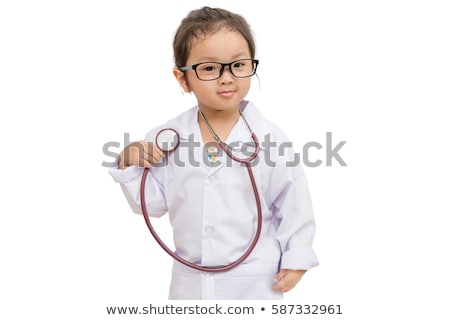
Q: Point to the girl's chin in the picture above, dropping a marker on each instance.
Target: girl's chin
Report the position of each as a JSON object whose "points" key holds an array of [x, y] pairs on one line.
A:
{"points": [[221, 105]]}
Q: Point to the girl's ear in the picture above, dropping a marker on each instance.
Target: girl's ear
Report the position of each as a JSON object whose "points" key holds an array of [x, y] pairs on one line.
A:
{"points": [[179, 75]]}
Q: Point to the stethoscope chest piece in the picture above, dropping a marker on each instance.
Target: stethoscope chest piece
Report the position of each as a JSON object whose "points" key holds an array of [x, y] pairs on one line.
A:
{"points": [[167, 140]]}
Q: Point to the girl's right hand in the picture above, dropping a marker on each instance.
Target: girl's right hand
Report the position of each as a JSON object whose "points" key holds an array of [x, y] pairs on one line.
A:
{"points": [[140, 153]]}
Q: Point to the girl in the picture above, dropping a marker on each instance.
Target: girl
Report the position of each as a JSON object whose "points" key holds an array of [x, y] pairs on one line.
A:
{"points": [[209, 198]]}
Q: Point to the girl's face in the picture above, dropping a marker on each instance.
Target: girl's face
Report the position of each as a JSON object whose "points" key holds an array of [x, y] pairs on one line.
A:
{"points": [[225, 93]]}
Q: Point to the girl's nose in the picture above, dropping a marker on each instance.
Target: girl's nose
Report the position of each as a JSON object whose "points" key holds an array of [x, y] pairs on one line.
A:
{"points": [[227, 76]]}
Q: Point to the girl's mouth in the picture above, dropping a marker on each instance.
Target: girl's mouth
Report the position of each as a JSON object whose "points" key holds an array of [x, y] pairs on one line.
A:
{"points": [[226, 94]]}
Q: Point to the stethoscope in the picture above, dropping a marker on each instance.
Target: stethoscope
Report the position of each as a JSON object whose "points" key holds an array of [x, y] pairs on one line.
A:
{"points": [[168, 140]]}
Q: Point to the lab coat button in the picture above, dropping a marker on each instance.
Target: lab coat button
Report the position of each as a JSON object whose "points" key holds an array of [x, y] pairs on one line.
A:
{"points": [[209, 229], [212, 178]]}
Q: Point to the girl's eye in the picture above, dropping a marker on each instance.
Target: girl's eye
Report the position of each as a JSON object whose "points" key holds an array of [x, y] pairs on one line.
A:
{"points": [[208, 68], [238, 65]]}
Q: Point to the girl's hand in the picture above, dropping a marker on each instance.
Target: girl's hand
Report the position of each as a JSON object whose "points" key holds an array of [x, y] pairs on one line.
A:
{"points": [[140, 153], [287, 279]]}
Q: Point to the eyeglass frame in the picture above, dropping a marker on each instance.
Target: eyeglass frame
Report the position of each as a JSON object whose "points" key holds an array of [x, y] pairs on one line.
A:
{"points": [[255, 63]]}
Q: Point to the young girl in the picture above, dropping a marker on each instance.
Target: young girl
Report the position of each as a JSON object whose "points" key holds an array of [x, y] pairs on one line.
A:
{"points": [[209, 197]]}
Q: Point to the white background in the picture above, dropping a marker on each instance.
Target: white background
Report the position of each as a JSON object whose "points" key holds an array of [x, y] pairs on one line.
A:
{"points": [[75, 75]]}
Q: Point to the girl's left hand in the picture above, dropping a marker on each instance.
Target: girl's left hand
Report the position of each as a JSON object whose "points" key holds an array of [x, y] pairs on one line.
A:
{"points": [[287, 279]]}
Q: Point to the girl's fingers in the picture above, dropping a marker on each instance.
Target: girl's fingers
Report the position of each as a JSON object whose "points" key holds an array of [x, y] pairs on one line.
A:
{"points": [[152, 150], [280, 275], [151, 157], [141, 153], [158, 152], [147, 164], [287, 279]]}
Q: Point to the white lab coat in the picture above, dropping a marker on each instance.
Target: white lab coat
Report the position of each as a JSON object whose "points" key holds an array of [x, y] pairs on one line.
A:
{"points": [[213, 213]]}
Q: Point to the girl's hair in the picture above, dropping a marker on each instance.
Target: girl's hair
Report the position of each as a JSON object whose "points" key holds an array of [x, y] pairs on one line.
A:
{"points": [[203, 22]]}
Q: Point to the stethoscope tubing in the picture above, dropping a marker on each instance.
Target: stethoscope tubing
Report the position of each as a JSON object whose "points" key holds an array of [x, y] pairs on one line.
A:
{"points": [[193, 265]]}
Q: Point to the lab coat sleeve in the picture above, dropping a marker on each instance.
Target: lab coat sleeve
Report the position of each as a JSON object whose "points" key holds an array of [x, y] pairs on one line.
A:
{"points": [[130, 182], [293, 212]]}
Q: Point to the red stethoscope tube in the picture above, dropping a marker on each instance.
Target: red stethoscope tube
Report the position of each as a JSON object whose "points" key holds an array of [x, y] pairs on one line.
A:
{"points": [[247, 162]]}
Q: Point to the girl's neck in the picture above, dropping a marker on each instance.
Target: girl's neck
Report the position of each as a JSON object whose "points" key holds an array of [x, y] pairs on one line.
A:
{"points": [[221, 121], [221, 118]]}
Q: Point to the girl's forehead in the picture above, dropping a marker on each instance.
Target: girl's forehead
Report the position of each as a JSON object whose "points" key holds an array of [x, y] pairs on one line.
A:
{"points": [[222, 44]]}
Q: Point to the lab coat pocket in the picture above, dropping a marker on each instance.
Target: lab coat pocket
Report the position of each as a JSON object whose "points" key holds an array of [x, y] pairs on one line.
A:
{"points": [[257, 288], [248, 282]]}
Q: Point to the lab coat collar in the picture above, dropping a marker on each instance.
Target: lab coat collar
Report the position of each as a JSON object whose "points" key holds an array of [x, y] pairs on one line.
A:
{"points": [[187, 124]]}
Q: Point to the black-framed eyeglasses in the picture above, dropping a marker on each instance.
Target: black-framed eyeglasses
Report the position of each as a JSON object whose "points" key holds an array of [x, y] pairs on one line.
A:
{"points": [[207, 71]]}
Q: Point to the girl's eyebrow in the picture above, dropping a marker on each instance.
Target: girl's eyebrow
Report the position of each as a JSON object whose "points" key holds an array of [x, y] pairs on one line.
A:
{"points": [[215, 59]]}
